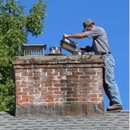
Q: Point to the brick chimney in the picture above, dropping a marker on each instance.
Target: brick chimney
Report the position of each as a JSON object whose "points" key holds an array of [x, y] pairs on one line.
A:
{"points": [[59, 85]]}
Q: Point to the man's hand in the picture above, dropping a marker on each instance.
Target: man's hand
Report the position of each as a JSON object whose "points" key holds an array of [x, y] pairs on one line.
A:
{"points": [[87, 49], [65, 36]]}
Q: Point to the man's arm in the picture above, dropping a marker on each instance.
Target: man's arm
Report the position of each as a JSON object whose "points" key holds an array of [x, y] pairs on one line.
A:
{"points": [[76, 36]]}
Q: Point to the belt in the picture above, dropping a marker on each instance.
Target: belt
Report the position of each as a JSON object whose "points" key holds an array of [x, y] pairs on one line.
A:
{"points": [[104, 53]]}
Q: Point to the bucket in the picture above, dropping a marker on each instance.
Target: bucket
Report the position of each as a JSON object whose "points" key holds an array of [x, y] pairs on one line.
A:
{"points": [[68, 45]]}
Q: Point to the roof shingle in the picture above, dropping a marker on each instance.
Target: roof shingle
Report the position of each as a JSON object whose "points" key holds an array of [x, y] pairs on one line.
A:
{"points": [[109, 121]]}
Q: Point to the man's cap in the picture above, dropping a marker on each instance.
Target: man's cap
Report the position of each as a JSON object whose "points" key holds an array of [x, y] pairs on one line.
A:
{"points": [[87, 23]]}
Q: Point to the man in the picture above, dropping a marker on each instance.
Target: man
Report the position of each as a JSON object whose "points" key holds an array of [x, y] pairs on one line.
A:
{"points": [[100, 46]]}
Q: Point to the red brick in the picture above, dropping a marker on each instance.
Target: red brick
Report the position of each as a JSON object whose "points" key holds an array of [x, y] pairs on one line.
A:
{"points": [[94, 99], [53, 88], [18, 89], [21, 93], [57, 92]]}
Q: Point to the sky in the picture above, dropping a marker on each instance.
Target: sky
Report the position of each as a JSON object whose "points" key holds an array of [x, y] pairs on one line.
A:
{"points": [[67, 16]]}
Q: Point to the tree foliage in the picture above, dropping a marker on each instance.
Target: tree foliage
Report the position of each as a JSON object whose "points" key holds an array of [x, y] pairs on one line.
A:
{"points": [[14, 28]]}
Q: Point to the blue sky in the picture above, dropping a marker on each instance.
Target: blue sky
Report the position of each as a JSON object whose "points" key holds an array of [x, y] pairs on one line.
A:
{"points": [[67, 16]]}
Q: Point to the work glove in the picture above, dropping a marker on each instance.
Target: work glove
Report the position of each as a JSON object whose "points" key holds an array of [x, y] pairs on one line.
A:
{"points": [[86, 49]]}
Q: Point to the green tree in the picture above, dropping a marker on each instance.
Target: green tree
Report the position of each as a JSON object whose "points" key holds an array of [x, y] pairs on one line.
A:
{"points": [[14, 28]]}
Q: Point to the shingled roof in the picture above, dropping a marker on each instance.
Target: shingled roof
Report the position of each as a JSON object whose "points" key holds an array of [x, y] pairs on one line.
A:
{"points": [[109, 121]]}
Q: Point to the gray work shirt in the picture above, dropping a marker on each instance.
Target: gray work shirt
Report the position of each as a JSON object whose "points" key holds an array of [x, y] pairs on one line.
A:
{"points": [[100, 41]]}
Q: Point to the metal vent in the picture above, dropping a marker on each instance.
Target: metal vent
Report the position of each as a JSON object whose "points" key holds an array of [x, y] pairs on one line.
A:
{"points": [[33, 49]]}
